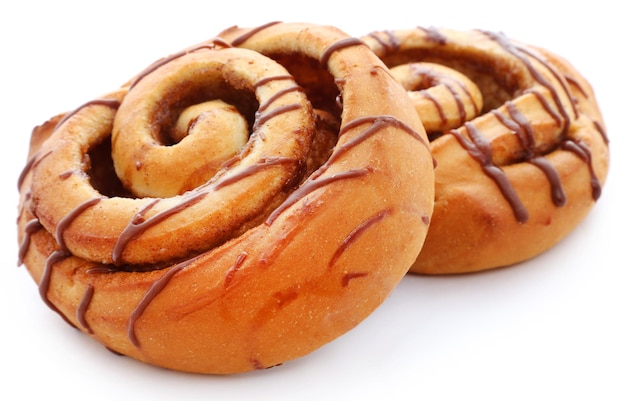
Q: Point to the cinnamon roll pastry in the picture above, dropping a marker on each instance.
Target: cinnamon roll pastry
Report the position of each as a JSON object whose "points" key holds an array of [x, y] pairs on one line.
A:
{"points": [[221, 212], [517, 136]]}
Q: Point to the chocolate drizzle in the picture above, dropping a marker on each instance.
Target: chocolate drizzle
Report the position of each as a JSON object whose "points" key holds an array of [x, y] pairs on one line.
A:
{"points": [[154, 290], [238, 41], [479, 148], [82, 308], [354, 235], [44, 282], [111, 103], [211, 45], [337, 46], [582, 151], [523, 128], [311, 186], [69, 218], [29, 229]]}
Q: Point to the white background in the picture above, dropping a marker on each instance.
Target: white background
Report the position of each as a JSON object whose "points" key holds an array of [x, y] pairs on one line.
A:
{"points": [[547, 329]]}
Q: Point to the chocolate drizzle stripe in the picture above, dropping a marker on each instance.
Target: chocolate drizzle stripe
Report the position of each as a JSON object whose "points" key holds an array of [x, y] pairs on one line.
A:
{"points": [[138, 225], [582, 151], [154, 290], [577, 85], [264, 117], [239, 40], [389, 44], [261, 165], [377, 123], [355, 234], [278, 95], [311, 186], [547, 106], [34, 160], [44, 283], [29, 229], [435, 35], [68, 219], [527, 139], [337, 46], [27, 168], [602, 132], [478, 147], [523, 130], [160, 63], [111, 103], [266, 80], [440, 110], [558, 194], [83, 306]]}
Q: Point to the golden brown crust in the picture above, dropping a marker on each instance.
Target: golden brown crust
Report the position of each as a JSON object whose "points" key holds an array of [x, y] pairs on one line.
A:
{"points": [[308, 249], [516, 179]]}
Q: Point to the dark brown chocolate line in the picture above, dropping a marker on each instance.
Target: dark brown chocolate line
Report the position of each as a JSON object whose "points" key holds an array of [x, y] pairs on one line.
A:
{"points": [[602, 132], [277, 95], [337, 46], [239, 40], [262, 118], [311, 186], [356, 233], [261, 165], [69, 218], [44, 283], [558, 118], [526, 136], [438, 106], [83, 306], [111, 103], [377, 123], [266, 80], [27, 168], [29, 229], [576, 84], [160, 63], [479, 148], [32, 162], [582, 151], [154, 290], [558, 194], [434, 35], [389, 44]]}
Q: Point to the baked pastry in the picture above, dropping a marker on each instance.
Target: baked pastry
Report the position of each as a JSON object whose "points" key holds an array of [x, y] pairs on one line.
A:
{"points": [[518, 139], [145, 234]]}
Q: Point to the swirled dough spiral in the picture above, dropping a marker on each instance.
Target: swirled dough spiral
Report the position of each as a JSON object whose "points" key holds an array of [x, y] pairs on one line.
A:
{"points": [[517, 136], [230, 209]]}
